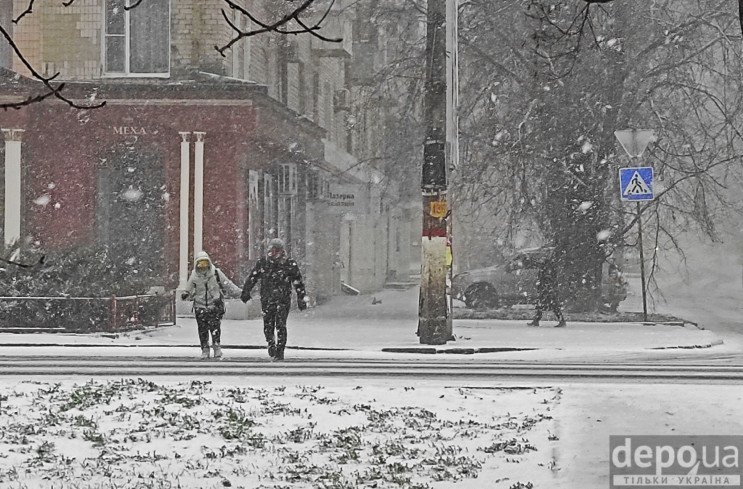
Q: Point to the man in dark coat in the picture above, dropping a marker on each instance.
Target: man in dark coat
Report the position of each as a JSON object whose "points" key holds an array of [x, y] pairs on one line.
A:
{"points": [[547, 299], [277, 274]]}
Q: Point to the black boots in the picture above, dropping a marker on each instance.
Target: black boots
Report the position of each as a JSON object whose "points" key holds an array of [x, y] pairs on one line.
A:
{"points": [[276, 352]]}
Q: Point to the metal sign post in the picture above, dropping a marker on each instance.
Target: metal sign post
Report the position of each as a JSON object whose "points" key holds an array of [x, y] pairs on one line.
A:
{"points": [[636, 184]]}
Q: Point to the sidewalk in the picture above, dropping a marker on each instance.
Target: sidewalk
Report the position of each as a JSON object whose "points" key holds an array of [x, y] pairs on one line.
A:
{"points": [[361, 326]]}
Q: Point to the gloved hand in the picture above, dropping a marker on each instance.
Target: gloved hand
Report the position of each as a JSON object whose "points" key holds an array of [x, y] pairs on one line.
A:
{"points": [[245, 296], [302, 303], [184, 295]]}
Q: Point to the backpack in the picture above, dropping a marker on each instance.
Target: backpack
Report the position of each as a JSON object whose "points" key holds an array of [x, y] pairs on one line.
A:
{"points": [[219, 306]]}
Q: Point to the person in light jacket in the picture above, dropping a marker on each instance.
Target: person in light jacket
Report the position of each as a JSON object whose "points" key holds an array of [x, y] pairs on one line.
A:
{"points": [[278, 274], [207, 287]]}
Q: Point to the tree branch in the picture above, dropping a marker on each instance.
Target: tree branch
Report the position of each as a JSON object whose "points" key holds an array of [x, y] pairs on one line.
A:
{"points": [[53, 90], [28, 11], [275, 27], [136, 4]]}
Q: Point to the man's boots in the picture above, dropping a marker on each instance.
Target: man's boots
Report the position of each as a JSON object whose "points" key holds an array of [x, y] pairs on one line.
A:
{"points": [[217, 351], [561, 324], [271, 350], [204, 352], [533, 322], [279, 352]]}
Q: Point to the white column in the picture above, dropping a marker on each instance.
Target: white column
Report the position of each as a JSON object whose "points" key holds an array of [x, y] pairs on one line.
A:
{"points": [[12, 185], [185, 187], [198, 193]]}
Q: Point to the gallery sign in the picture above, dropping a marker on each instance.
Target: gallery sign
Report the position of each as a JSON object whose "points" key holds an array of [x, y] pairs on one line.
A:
{"points": [[342, 199]]}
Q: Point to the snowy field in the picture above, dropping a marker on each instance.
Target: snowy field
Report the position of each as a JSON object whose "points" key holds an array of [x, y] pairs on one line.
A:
{"points": [[233, 432], [134, 433]]}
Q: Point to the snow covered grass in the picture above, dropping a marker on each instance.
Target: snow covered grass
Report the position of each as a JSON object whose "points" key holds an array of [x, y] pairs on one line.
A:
{"points": [[136, 433]]}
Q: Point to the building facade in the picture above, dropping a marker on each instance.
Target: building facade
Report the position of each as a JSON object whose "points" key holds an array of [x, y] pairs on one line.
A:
{"points": [[195, 148]]}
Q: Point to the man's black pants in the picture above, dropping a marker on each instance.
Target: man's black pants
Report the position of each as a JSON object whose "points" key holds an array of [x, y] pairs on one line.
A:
{"points": [[274, 323]]}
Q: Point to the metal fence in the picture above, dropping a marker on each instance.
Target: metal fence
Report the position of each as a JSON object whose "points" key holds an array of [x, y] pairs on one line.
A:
{"points": [[86, 314]]}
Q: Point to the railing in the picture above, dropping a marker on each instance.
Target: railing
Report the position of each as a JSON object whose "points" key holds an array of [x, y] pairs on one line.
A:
{"points": [[86, 314]]}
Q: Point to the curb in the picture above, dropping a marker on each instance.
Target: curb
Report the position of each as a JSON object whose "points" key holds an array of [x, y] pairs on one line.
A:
{"points": [[421, 350], [460, 351], [716, 342], [224, 347]]}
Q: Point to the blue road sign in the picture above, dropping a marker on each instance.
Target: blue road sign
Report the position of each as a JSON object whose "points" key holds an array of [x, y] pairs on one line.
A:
{"points": [[636, 183]]}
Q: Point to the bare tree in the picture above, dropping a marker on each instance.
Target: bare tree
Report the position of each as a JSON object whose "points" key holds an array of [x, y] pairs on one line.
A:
{"points": [[552, 85]]}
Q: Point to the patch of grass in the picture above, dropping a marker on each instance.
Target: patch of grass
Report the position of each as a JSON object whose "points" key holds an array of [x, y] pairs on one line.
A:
{"points": [[93, 436], [405, 447], [511, 447]]}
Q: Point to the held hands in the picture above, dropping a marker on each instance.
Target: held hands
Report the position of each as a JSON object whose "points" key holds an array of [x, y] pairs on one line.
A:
{"points": [[245, 297], [302, 303], [184, 296]]}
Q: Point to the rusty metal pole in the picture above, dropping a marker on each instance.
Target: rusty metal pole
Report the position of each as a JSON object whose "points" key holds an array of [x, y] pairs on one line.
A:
{"points": [[433, 324]]}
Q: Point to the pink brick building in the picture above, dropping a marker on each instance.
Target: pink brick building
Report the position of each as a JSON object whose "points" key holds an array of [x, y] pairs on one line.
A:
{"points": [[192, 149]]}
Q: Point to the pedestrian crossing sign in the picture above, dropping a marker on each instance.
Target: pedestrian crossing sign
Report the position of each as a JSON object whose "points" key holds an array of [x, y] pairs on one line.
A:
{"points": [[636, 183]]}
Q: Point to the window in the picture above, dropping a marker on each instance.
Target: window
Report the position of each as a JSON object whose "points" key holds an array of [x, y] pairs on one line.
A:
{"points": [[286, 219], [6, 15], [137, 41], [269, 208], [288, 179], [317, 183], [254, 223]]}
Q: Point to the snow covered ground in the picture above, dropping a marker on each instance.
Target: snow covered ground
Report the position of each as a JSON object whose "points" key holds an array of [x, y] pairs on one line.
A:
{"points": [[237, 432], [335, 433], [229, 433]]}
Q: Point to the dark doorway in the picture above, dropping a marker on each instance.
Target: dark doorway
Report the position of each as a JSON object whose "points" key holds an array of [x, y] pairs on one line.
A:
{"points": [[130, 210]]}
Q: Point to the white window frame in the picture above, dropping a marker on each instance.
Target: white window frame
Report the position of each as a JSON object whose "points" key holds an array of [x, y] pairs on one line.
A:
{"points": [[269, 211], [287, 179], [254, 225], [285, 218], [127, 46]]}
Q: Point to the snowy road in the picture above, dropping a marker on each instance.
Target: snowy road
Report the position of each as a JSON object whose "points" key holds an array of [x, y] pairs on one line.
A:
{"points": [[353, 369]]}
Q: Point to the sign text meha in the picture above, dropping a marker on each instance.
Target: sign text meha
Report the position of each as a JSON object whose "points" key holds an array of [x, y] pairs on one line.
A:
{"points": [[130, 131]]}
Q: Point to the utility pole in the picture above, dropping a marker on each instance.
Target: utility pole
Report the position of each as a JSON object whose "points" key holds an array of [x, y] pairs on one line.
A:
{"points": [[434, 322]]}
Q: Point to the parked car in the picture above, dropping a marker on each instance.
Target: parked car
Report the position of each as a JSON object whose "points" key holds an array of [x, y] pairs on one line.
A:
{"points": [[514, 282]]}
